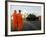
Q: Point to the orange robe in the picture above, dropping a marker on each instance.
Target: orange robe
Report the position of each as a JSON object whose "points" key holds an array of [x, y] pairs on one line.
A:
{"points": [[14, 21], [20, 22]]}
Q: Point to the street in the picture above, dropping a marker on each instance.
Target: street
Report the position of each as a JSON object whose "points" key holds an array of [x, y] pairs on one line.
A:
{"points": [[32, 25]]}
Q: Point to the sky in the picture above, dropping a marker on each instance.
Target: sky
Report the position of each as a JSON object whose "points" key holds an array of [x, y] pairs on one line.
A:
{"points": [[36, 10]]}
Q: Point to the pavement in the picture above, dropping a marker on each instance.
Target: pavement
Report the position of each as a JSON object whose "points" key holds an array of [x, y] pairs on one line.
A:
{"points": [[32, 25]]}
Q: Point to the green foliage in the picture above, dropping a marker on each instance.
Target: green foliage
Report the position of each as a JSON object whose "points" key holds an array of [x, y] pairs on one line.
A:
{"points": [[31, 17]]}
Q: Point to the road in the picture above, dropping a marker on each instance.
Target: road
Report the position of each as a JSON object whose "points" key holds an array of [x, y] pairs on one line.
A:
{"points": [[32, 25]]}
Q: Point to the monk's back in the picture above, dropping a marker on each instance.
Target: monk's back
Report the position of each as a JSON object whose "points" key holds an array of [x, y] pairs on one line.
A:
{"points": [[19, 19], [15, 18]]}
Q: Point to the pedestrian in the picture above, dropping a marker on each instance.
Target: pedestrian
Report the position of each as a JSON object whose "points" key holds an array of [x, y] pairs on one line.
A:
{"points": [[14, 20], [20, 21]]}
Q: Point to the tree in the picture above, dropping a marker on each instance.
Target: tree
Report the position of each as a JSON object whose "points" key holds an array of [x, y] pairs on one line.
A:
{"points": [[31, 17]]}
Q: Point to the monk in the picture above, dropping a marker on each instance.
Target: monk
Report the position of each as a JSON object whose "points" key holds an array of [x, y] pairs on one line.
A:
{"points": [[15, 20], [20, 21]]}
